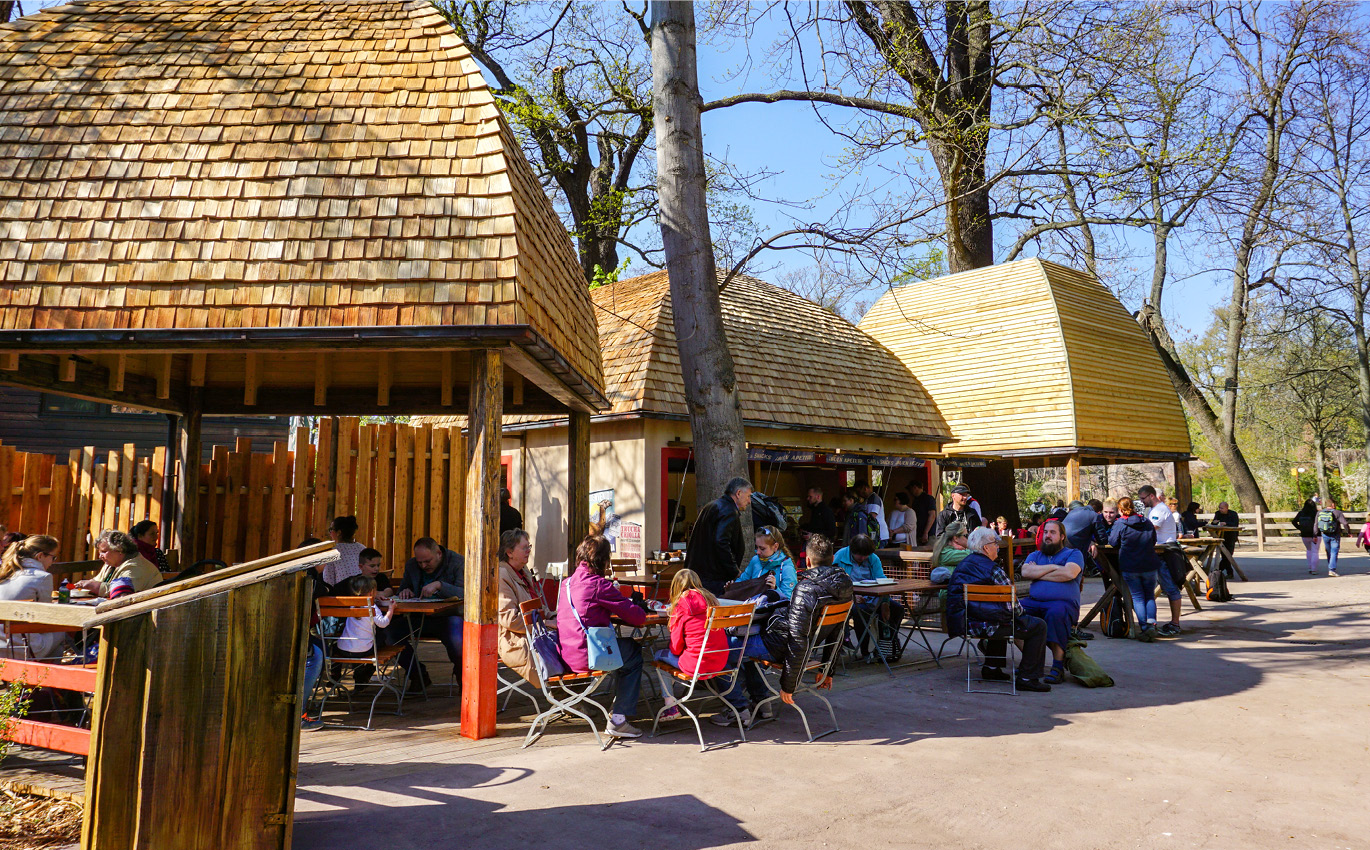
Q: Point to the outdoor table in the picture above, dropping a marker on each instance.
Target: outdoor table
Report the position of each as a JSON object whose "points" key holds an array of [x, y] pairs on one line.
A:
{"points": [[1220, 552], [451, 607], [865, 623], [1115, 586]]}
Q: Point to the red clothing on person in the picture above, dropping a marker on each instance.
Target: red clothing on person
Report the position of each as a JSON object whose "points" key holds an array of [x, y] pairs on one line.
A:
{"points": [[689, 619]]}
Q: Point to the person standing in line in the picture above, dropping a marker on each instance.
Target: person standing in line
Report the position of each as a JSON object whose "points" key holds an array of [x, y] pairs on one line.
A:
{"points": [[1173, 567], [1331, 521], [1306, 521]]}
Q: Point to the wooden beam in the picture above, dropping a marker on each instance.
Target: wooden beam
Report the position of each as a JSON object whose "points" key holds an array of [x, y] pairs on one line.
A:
{"points": [[198, 366], [518, 390], [66, 369], [578, 481], [164, 376], [320, 380], [479, 678], [188, 479], [383, 379], [1184, 484], [251, 380], [9, 361], [446, 392], [92, 382], [357, 401], [116, 374]]}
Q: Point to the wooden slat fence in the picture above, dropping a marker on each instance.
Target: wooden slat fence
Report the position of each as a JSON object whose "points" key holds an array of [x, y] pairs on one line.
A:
{"points": [[1275, 529], [402, 482]]}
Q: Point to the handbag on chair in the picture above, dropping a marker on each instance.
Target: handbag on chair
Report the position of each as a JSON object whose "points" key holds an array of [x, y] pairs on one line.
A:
{"points": [[601, 643]]}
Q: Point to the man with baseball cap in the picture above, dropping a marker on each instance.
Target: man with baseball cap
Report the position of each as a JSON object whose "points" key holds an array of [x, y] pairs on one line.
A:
{"points": [[959, 510]]}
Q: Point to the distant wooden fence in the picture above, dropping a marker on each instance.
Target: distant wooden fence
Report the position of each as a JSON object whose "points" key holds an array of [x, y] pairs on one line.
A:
{"points": [[399, 480], [1276, 530]]}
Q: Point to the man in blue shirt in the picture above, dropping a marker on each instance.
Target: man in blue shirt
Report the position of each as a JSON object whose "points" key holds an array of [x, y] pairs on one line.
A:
{"points": [[1055, 593], [861, 563]]}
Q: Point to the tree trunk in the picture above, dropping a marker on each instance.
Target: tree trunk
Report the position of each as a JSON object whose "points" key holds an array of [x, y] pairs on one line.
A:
{"points": [[970, 231], [706, 364], [1320, 466], [1229, 453], [8, 9]]}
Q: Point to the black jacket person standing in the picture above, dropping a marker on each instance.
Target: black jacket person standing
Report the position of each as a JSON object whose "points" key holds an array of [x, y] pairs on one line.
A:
{"points": [[716, 547]]}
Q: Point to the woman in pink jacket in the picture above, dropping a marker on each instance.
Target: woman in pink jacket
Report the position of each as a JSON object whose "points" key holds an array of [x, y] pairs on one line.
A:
{"points": [[587, 600]]}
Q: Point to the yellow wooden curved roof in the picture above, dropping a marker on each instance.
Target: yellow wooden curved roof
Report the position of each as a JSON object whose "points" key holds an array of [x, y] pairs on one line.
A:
{"points": [[1033, 358], [256, 164]]}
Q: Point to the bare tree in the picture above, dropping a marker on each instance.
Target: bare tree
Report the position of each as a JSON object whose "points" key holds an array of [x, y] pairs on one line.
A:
{"points": [[706, 363]]}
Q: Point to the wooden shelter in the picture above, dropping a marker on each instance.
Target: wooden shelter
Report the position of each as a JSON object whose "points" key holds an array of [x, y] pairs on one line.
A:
{"points": [[1035, 364], [195, 729], [820, 399], [252, 207]]}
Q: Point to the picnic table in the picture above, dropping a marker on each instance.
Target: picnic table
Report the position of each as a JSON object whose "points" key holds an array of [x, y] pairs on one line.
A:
{"points": [[1217, 550], [449, 607], [1115, 587]]}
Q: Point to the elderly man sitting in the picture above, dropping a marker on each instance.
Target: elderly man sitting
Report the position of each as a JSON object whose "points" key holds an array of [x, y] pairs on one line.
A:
{"points": [[992, 621], [1055, 593]]}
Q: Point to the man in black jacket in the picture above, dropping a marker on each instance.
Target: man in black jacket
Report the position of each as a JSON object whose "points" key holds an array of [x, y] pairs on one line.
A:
{"points": [[716, 549], [821, 520], [786, 636], [958, 511]]}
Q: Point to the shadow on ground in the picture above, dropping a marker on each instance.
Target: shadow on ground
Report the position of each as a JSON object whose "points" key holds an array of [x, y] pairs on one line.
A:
{"points": [[428, 808]]}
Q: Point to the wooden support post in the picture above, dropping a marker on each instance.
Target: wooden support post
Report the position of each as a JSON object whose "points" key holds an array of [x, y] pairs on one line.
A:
{"points": [[447, 379], [66, 369], [116, 373], [188, 477], [518, 390], [1072, 478], [1184, 485], [1260, 529], [383, 379], [479, 680], [198, 363], [320, 380], [9, 362], [935, 482], [163, 376], [250, 380], [577, 482]]}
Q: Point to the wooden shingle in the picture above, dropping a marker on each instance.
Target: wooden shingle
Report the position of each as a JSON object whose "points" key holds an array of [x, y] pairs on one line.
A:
{"points": [[205, 163], [1032, 356]]}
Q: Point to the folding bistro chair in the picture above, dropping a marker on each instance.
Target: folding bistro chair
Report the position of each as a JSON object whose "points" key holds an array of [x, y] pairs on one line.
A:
{"points": [[820, 654], [715, 685], [1003, 593], [563, 692], [381, 658], [511, 683]]}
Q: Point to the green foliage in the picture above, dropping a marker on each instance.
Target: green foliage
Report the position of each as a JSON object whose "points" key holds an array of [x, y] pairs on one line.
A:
{"points": [[931, 265], [14, 704], [604, 278], [1029, 492]]}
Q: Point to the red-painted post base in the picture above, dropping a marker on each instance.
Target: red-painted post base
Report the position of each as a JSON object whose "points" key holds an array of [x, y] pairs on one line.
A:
{"points": [[478, 680]]}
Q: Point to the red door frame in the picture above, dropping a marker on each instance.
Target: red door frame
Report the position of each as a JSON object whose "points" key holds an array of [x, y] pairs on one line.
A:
{"points": [[668, 455]]}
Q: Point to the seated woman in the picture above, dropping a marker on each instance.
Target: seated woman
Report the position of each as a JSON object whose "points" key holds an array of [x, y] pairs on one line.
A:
{"points": [[1055, 593], [516, 586], [24, 577], [145, 535], [948, 550], [587, 600], [119, 552], [772, 562], [860, 562]]}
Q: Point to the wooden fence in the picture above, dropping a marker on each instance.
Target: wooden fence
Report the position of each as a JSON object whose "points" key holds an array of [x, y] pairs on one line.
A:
{"points": [[1275, 529], [400, 481]]}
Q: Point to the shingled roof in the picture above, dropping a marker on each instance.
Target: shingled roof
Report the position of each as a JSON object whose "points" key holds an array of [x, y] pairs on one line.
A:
{"points": [[205, 164], [1033, 358], [798, 364]]}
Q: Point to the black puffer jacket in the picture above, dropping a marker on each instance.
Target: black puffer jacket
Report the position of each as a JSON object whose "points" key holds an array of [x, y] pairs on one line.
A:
{"points": [[787, 634]]}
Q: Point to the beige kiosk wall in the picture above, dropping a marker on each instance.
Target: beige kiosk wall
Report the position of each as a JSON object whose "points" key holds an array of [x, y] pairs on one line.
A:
{"points": [[616, 462]]}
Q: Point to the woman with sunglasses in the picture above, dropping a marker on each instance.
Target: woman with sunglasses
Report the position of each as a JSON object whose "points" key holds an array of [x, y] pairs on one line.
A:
{"points": [[772, 561]]}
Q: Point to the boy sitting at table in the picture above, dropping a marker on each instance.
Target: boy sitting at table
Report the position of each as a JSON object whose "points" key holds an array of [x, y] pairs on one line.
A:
{"points": [[359, 635], [861, 563], [369, 562]]}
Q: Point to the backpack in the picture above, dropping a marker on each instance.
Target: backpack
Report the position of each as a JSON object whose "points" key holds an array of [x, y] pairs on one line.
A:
{"points": [[766, 511], [1217, 587], [1112, 619], [1327, 522]]}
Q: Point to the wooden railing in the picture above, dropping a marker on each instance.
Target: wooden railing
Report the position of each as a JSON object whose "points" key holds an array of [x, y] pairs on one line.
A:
{"points": [[398, 480], [1275, 529]]}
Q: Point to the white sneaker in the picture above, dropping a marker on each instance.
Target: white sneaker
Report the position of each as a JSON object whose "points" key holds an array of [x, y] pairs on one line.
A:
{"points": [[1334, 573], [622, 730], [725, 718]]}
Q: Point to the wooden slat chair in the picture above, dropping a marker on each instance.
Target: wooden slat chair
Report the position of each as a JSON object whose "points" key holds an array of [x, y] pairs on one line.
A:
{"points": [[715, 685], [381, 658], [564, 692], [1002, 593], [819, 657]]}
